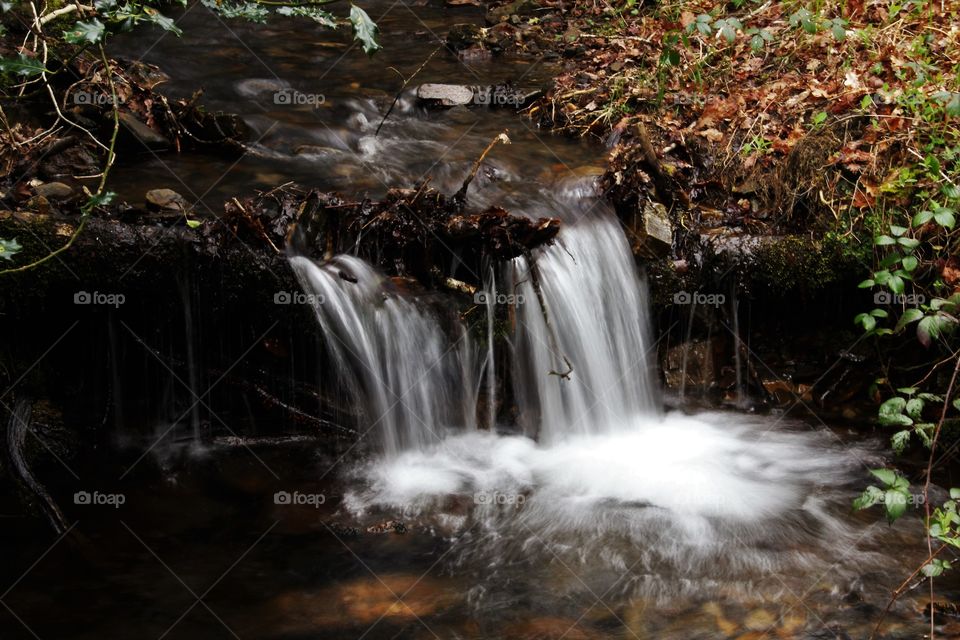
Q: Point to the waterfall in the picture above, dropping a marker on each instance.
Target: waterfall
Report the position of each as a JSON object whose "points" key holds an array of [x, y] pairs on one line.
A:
{"points": [[587, 371], [413, 382], [581, 360]]}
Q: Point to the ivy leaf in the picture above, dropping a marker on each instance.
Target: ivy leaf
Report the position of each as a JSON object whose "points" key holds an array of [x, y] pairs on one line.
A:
{"points": [[22, 66], [9, 248], [85, 32], [364, 29]]}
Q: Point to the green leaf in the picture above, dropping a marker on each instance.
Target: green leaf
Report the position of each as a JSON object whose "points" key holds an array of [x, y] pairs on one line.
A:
{"points": [[895, 283], [900, 440], [909, 243], [247, 10], [922, 218], [318, 15], [897, 230], [882, 241], [932, 570], [9, 248], [896, 505], [945, 217], [866, 284], [910, 263], [867, 321], [85, 32], [364, 29], [162, 21], [955, 494], [21, 66], [933, 326], [886, 476], [193, 224], [914, 408], [909, 316], [868, 498]]}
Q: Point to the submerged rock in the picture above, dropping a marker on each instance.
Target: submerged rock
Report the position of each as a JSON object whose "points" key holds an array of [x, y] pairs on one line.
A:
{"points": [[447, 95]]}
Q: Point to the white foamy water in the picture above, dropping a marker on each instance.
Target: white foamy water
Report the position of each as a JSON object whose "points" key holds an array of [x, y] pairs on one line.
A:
{"points": [[680, 504]]}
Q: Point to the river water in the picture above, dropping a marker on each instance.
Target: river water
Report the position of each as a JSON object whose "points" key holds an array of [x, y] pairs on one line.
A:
{"points": [[598, 515]]}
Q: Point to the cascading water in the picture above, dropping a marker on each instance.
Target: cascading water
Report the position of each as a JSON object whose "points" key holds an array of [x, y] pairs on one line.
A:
{"points": [[601, 474], [393, 357], [582, 361]]}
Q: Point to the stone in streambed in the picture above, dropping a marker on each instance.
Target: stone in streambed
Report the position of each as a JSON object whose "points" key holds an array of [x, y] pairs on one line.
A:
{"points": [[657, 229], [147, 136], [165, 200], [54, 190], [447, 95]]}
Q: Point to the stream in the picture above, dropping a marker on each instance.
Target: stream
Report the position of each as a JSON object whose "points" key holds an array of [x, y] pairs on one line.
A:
{"points": [[601, 514]]}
